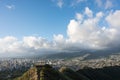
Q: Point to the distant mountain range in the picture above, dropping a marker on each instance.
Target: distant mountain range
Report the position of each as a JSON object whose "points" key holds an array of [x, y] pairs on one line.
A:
{"points": [[92, 54]]}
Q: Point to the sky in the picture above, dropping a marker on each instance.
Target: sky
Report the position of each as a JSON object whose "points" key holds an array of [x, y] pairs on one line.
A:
{"points": [[29, 27]]}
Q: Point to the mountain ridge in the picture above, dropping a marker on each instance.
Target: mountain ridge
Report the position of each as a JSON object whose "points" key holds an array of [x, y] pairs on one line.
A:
{"points": [[47, 72]]}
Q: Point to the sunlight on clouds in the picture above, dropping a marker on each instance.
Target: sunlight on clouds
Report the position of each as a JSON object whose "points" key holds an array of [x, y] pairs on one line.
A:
{"points": [[89, 33], [114, 18], [82, 33]]}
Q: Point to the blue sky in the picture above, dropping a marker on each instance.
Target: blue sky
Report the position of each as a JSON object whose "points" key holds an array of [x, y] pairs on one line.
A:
{"points": [[41, 24], [29, 17], [42, 17]]}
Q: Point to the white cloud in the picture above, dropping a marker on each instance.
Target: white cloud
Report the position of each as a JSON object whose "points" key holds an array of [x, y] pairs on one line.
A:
{"points": [[59, 42], [114, 18], [88, 12], [58, 38], [6, 42], [82, 33], [11, 46], [90, 34], [34, 42], [76, 2], [10, 7], [108, 4], [72, 3], [60, 3], [99, 14], [79, 16], [104, 3]]}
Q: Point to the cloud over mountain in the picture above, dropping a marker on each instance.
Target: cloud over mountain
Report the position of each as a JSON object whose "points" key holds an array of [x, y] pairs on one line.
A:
{"points": [[83, 32]]}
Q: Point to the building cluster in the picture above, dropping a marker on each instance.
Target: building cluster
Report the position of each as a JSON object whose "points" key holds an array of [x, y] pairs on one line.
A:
{"points": [[75, 63], [78, 63], [11, 64]]}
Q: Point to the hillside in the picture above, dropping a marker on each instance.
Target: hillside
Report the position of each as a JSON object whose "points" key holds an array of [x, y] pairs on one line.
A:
{"points": [[46, 72]]}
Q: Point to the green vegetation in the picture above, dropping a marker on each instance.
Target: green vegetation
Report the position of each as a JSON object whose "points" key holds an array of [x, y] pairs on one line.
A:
{"points": [[72, 74], [11, 74], [29, 75], [46, 72]]}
